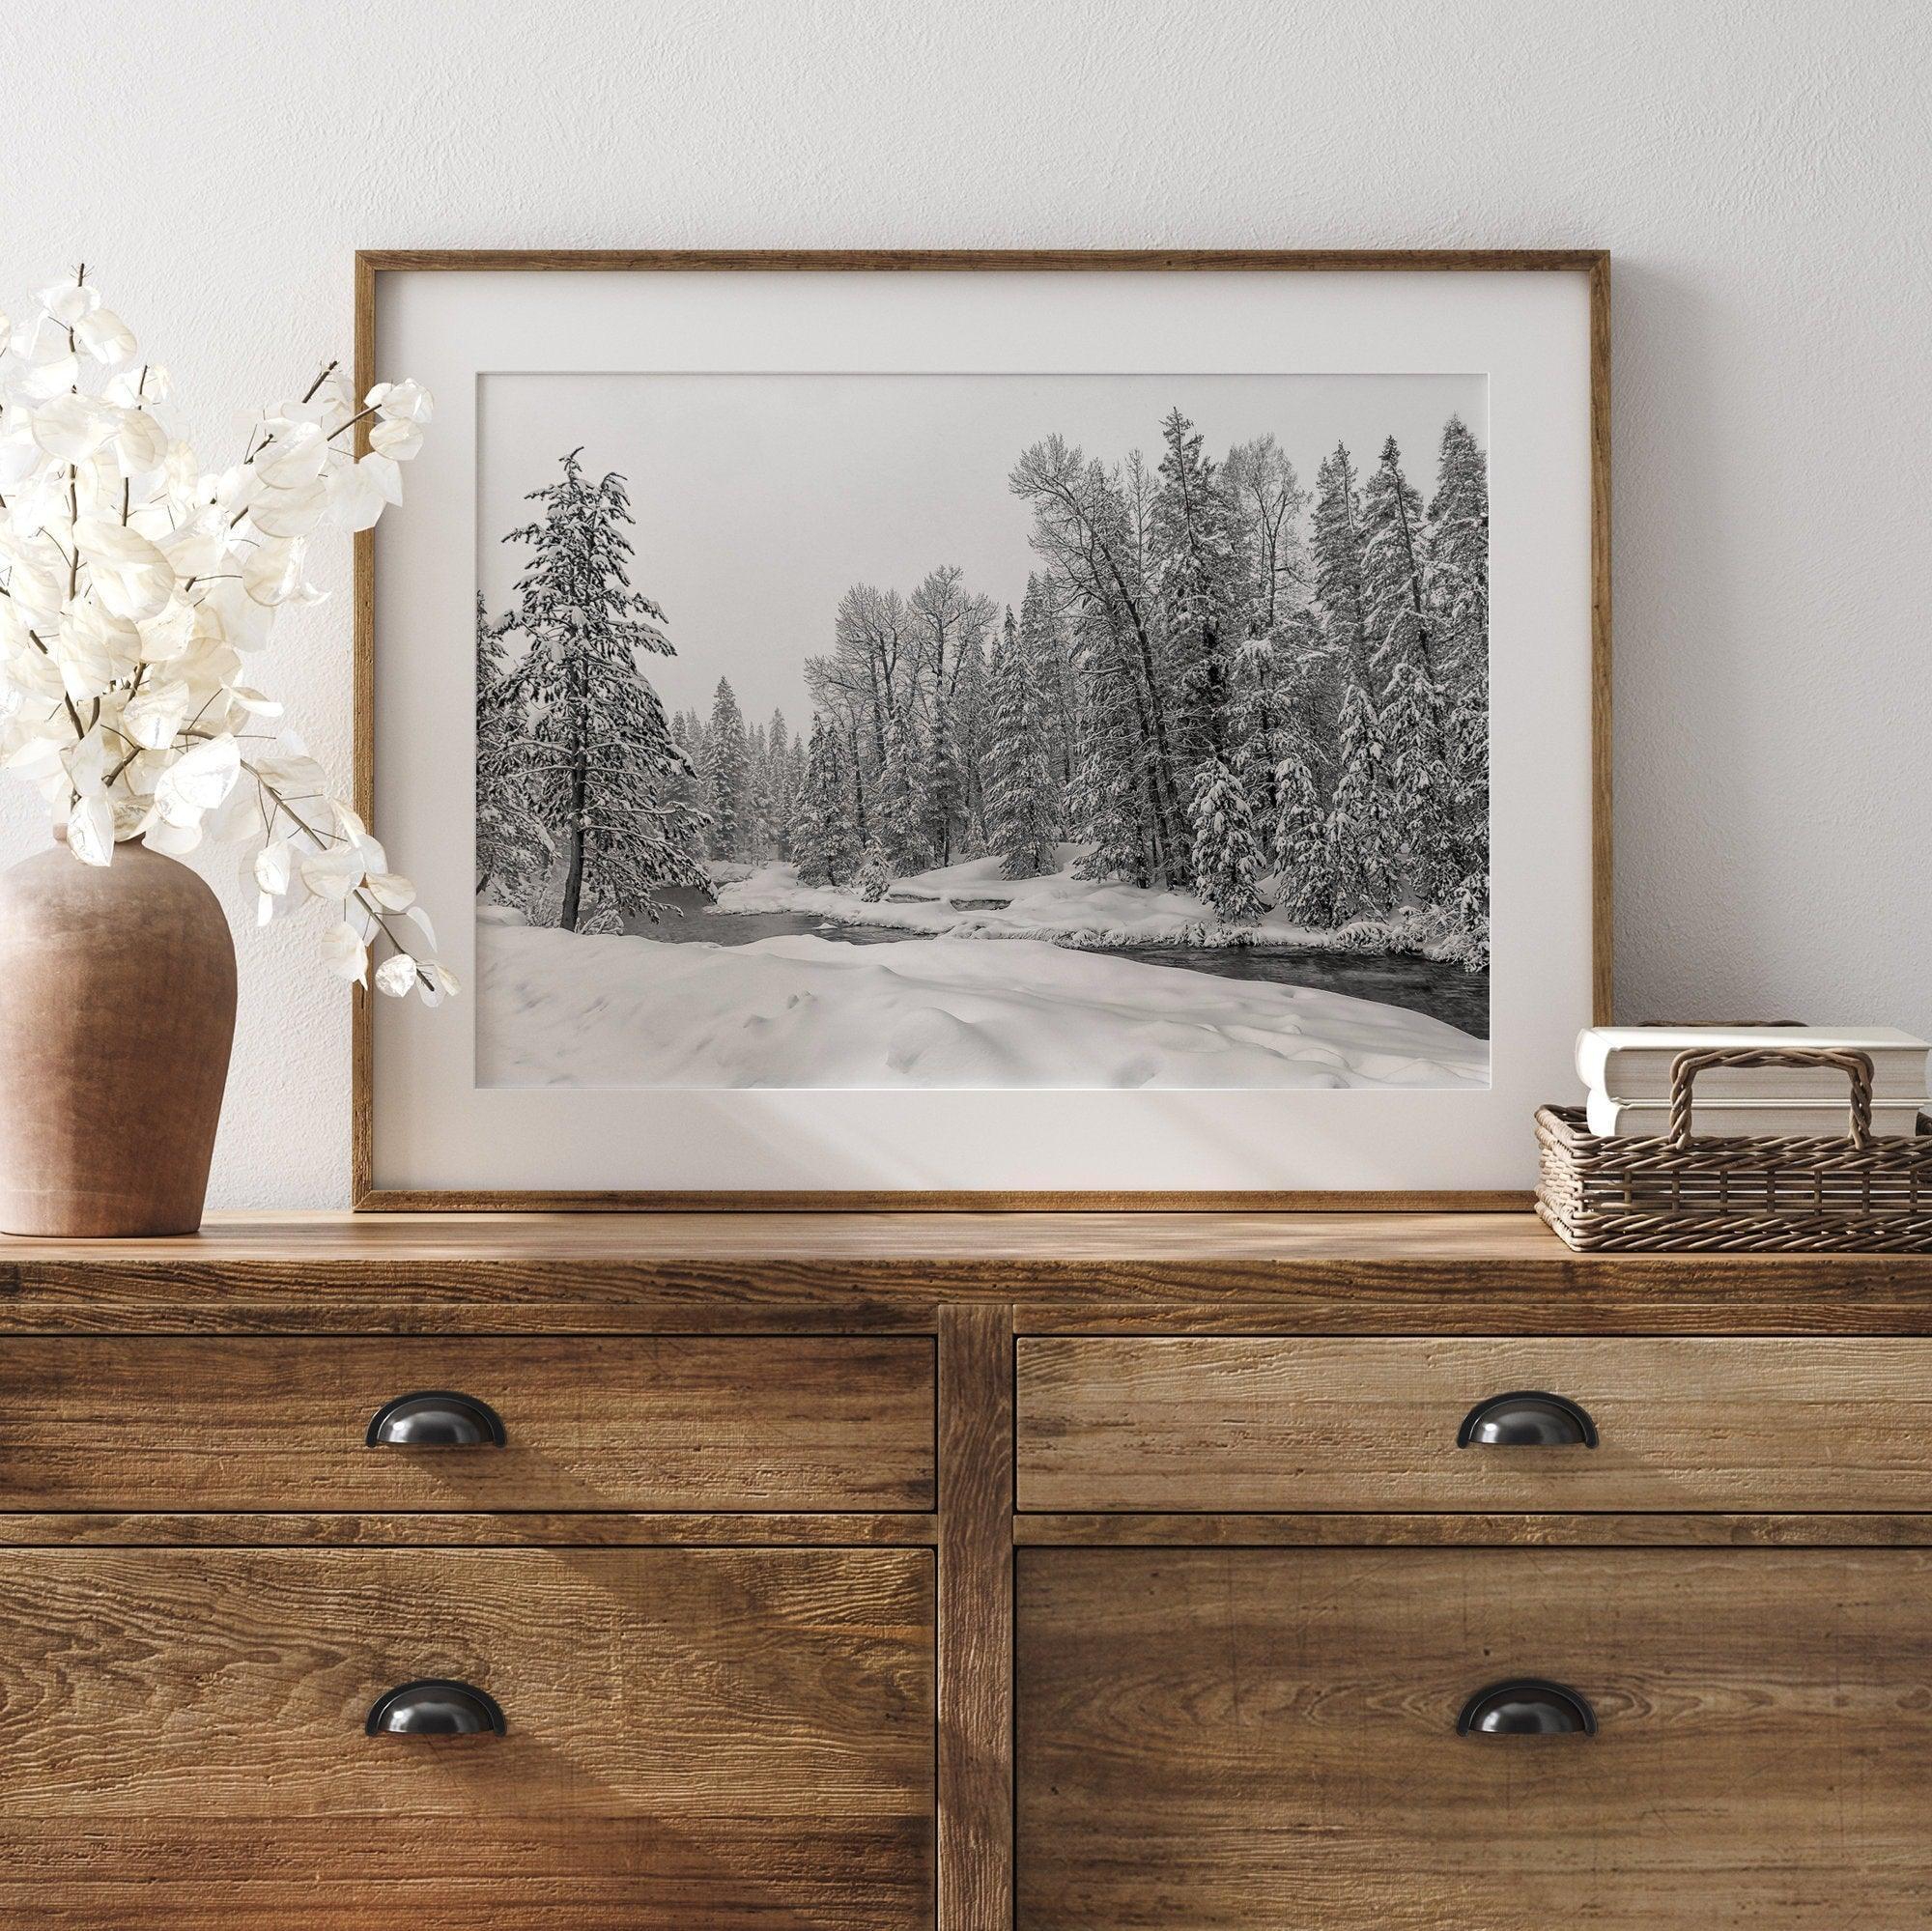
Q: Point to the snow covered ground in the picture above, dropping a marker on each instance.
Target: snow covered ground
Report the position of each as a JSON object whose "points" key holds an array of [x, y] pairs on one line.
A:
{"points": [[972, 900], [555, 1008]]}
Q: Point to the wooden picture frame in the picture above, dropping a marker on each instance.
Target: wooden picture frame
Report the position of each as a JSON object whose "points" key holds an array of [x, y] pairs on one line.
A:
{"points": [[1593, 264]]}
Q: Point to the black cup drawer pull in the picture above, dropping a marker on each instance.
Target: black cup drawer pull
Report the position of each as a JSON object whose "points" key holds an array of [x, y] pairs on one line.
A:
{"points": [[434, 1706], [1526, 1707], [436, 1418], [1527, 1418]]}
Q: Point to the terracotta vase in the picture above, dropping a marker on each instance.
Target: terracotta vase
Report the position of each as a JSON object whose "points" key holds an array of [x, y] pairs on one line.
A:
{"points": [[117, 1011]]}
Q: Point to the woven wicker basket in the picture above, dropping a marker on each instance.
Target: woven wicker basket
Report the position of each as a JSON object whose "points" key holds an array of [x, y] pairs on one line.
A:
{"points": [[1839, 1194]]}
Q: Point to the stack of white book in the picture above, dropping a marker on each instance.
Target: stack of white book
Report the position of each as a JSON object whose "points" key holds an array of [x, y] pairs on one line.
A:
{"points": [[1628, 1071]]}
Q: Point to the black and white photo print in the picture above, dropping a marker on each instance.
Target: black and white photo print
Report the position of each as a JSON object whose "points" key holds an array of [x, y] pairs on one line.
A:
{"points": [[983, 731]]}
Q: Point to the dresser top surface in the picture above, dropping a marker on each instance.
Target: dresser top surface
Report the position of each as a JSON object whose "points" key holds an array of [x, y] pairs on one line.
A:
{"points": [[1314, 1273], [1056, 1238]]}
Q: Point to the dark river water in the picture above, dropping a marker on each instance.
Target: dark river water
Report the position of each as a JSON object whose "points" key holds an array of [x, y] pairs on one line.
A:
{"points": [[1445, 992]]}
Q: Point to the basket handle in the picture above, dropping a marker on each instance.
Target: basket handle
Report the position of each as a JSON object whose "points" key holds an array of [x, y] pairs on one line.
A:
{"points": [[1685, 1066]]}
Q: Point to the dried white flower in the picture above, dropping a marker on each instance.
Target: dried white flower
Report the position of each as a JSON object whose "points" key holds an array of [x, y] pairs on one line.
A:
{"points": [[133, 580]]}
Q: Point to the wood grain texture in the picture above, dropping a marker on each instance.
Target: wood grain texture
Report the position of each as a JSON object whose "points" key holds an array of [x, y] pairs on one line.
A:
{"points": [[362, 743], [944, 260], [1218, 1739], [1336, 1273], [1593, 263], [473, 1528], [1369, 1425], [732, 1739], [1442, 1530], [666, 1422], [976, 1619], [908, 1200], [1602, 878]]}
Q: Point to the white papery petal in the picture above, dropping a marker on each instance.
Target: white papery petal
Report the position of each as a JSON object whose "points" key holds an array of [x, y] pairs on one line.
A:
{"points": [[37, 677], [396, 438], [72, 427], [343, 952], [85, 762], [94, 649], [171, 839], [295, 512], [105, 337], [272, 570], [234, 490], [391, 890], [154, 714], [274, 866], [396, 975], [53, 377], [386, 474], [198, 780], [439, 983], [32, 752], [42, 503], [165, 639], [142, 445], [20, 454], [146, 383], [333, 874], [131, 577], [312, 411], [356, 499], [349, 820], [331, 395], [254, 702], [293, 772], [182, 474], [420, 918], [69, 301], [36, 577], [406, 401], [194, 548], [99, 485], [226, 614], [295, 456], [90, 830], [132, 817]]}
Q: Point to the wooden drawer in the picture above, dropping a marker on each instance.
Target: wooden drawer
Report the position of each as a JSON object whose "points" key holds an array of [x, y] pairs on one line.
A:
{"points": [[1213, 1739], [694, 1737], [675, 1422], [1284, 1424]]}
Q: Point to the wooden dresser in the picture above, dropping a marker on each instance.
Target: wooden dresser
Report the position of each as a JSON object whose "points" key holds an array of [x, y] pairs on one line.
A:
{"points": [[855, 1572]]}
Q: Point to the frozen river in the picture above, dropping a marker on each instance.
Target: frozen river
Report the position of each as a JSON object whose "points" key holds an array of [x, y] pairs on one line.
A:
{"points": [[1442, 990]]}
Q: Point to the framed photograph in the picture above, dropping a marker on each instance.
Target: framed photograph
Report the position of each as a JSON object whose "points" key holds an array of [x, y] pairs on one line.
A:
{"points": [[988, 730]]}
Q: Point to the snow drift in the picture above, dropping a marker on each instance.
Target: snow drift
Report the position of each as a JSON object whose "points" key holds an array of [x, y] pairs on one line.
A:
{"points": [[559, 1009]]}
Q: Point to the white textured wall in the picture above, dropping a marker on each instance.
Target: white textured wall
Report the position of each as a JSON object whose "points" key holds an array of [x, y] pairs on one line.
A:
{"points": [[1758, 170]]}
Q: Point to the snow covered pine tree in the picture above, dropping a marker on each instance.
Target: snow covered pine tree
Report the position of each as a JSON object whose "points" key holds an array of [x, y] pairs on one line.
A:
{"points": [[1020, 827], [599, 763], [513, 847], [1227, 855], [1403, 653], [729, 773], [823, 844]]}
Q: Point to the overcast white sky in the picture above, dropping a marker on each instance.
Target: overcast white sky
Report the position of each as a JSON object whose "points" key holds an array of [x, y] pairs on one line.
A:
{"points": [[761, 499]]}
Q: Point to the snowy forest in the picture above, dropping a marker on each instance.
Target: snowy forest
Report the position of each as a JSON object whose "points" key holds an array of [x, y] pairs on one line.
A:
{"points": [[1221, 680]]}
